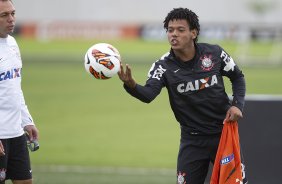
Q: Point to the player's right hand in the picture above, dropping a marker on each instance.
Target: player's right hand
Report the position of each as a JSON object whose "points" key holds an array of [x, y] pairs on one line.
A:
{"points": [[32, 131], [2, 151], [126, 76]]}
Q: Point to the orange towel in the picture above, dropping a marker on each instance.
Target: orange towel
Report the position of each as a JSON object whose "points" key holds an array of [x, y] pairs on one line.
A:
{"points": [[227, 167]]}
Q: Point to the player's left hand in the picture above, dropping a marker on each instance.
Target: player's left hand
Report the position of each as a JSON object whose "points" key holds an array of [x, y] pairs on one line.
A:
{"points": [[32, 131], [233, 114]]}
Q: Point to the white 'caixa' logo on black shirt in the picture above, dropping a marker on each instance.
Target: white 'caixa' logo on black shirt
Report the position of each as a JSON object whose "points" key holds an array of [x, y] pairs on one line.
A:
{"points": [[198, 84]]}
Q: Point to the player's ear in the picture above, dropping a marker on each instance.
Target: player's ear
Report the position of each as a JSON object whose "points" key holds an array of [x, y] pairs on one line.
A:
{"points": [[194, 33]]}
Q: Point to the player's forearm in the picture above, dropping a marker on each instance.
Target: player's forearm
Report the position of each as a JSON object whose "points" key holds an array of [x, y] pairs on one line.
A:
{"points": [[130, 84], [239, 91], [143, 93]]}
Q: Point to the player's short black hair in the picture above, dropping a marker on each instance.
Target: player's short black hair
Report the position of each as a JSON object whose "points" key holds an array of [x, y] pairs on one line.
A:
{"points": [[186, 14]]}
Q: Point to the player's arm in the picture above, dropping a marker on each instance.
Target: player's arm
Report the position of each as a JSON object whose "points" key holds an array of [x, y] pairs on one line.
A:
{"points": [[235, 112], [27, 121], [2, 151], [145, 93], [232, 71]]}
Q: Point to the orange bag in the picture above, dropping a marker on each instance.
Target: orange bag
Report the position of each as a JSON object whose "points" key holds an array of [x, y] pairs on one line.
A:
{"points": [[227, 167]]}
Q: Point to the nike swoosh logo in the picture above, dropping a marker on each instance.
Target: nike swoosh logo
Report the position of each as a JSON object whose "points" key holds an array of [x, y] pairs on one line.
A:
{"points": [[176, 70]]}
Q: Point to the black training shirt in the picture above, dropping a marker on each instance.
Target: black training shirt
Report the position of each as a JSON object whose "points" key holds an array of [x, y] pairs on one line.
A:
{"points": [[196, 89]]}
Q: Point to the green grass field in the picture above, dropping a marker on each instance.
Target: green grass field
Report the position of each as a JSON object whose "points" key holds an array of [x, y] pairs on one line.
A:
{"points": [[92, 131]]}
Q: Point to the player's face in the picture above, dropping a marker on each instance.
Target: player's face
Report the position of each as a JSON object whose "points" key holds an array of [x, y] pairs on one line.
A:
{"points": [[179, 34], [7, 18]]}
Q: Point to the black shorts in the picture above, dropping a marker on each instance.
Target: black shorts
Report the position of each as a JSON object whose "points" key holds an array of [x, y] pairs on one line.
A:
{"points": [[15, 164], [196, 152]]}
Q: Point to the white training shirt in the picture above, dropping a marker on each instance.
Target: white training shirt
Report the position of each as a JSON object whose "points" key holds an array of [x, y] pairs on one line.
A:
{"points": [[14, 114]]}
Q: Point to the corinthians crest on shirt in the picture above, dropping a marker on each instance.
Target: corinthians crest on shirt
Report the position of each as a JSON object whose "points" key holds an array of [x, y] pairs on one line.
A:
{"points": [[207, 63]]}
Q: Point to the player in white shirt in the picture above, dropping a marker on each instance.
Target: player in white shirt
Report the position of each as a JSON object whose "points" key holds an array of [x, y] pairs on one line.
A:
{"points": [[15, 118]]}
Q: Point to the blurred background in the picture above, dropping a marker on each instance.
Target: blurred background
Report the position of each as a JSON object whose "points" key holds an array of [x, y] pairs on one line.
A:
{"points": [[92, 131], [242, 21]]}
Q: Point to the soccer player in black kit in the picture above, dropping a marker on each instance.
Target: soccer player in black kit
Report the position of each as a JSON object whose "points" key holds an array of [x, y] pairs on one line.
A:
{"points": [[193, 75]]}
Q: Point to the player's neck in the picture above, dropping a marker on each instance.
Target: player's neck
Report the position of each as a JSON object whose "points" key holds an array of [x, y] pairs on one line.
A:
{"points": [[186, 54]]}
